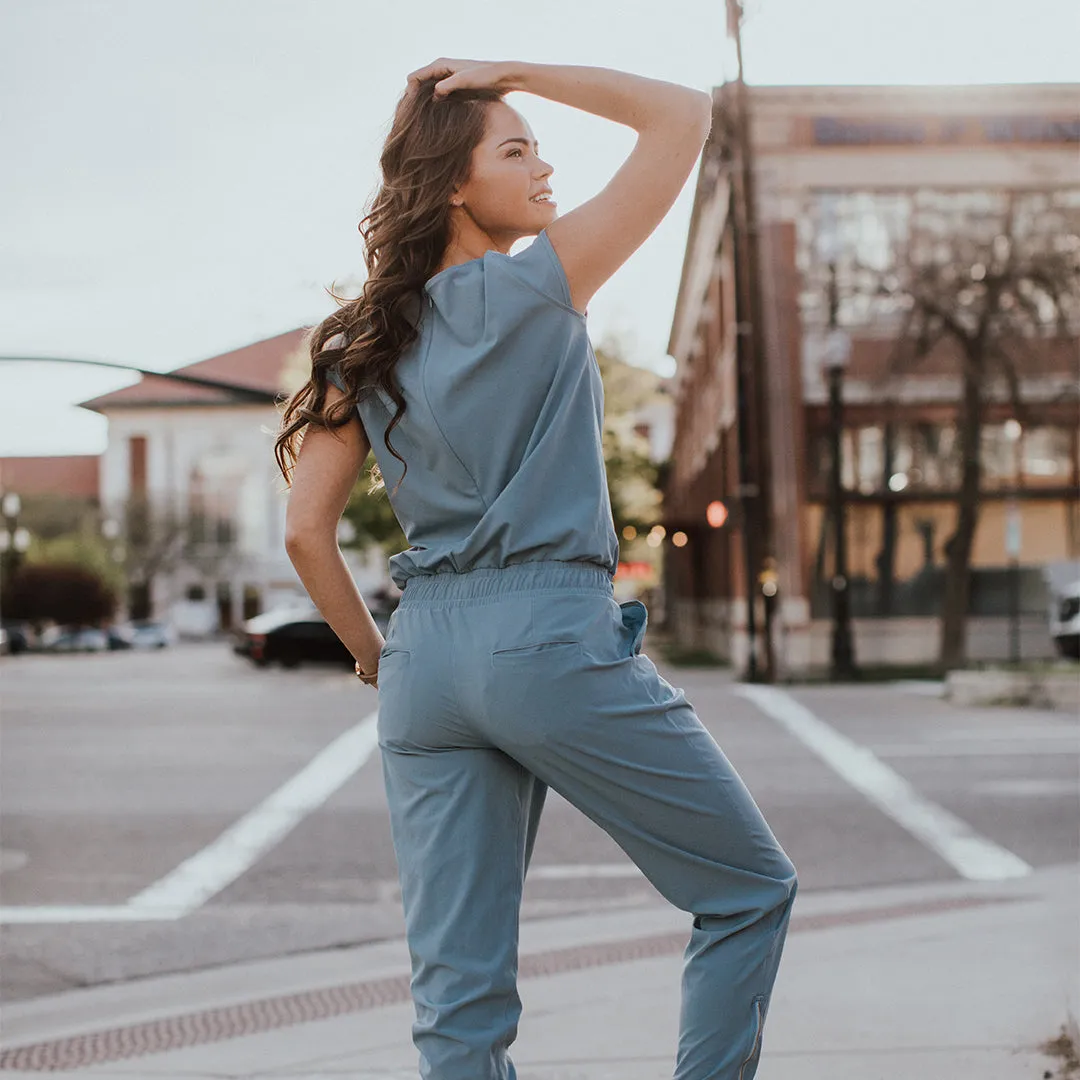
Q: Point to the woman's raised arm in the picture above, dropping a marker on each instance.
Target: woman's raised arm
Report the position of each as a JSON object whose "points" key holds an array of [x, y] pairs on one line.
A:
{"points": [[672, 121]]}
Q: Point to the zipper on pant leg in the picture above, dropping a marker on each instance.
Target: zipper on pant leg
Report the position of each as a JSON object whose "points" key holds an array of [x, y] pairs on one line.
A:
{"points": [[759, 1003]]}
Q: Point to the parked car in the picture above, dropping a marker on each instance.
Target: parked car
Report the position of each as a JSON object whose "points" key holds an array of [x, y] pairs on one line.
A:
{"points": [[66, 639], [1065, 620], [290, 637], [18, 637], [147, 634], [120, 637]]}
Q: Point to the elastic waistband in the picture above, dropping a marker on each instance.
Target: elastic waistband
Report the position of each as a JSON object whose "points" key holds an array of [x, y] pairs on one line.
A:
{"points": [[491, 582]]}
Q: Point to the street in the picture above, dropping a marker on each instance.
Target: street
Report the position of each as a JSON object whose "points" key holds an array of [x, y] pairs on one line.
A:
{"points": [[177, 810]]}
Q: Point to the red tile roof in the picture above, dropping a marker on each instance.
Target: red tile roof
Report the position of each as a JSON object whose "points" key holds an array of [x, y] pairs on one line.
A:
{"points": [[259, 366], [75, 476]]}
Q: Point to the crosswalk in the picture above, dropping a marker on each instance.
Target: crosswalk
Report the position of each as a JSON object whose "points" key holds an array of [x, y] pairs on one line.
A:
{"points": [[973, 856]]}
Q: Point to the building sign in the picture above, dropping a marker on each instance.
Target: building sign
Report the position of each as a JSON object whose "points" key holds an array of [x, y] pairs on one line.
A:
{"points": [[1030, 129], [834, 131]]}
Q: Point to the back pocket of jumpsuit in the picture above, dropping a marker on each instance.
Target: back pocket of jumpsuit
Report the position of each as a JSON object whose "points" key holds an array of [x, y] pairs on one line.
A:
{"points": [[393, 664], [553, 627], [535, 649]]}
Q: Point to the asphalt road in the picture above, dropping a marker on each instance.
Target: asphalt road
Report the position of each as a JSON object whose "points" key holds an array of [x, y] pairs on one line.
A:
{"points": [[180, 809]]}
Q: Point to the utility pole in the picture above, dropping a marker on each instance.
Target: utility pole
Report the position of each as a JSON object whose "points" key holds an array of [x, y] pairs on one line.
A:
{"points": [[838, 349], [753, 418]]}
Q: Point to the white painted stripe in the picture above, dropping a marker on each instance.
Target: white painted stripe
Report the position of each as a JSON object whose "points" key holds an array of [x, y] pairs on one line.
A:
{"points": [[1028, 787], [583, 871], [973, 856], [1064, 732], [199, 878], [923, 687], [74, 913], [933, 750]]}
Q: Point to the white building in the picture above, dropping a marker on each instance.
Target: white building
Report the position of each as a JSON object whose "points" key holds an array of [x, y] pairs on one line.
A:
{"points": [[189, 475]]}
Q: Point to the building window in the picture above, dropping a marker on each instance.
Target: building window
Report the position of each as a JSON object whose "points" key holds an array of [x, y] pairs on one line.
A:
{"points": [[872, 235], [212, 505], [1046, 456], [935, 462], [252, 602], [137, 465], [1000, 457], [926, 457]]}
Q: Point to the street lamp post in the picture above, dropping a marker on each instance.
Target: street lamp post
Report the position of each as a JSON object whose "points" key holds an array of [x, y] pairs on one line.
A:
{"points": [[837, 353], [14, 539], [1013, 433]]}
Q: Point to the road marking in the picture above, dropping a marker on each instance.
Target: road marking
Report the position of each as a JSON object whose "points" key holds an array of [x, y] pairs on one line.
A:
{"points": [[11, 859], [923, 687], [26, 915], [1020, 734], [971, 855], [583, 871], [1025, 788], [205, 874], [938, 750]]}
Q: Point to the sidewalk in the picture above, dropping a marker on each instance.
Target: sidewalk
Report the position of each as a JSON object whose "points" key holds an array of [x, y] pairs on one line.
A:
{"points": [[926, 982]]}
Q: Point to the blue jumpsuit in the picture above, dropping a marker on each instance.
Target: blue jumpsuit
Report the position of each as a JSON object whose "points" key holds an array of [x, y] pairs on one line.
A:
{"points": [[510, 668]]}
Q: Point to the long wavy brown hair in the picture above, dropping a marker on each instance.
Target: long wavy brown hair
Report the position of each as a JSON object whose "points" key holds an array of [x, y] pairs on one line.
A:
{"points": [[406, 231]]}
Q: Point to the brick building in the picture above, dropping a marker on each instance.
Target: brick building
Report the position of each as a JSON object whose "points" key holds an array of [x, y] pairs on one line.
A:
{"points": [[840, 175]]}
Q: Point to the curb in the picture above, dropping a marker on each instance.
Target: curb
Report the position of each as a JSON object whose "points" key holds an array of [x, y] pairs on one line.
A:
{"points": [[252, 1017]]}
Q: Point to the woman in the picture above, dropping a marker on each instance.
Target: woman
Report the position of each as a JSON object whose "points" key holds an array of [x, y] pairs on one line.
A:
{"points": [[508, 666]]}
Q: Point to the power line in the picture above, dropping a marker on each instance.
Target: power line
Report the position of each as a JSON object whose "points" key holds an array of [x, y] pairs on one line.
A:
{"points": [[251, 393]]}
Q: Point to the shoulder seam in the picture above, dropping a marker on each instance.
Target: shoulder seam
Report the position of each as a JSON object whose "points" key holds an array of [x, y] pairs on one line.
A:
{"points": [[553, 262], [557, 266], [560, 272]]}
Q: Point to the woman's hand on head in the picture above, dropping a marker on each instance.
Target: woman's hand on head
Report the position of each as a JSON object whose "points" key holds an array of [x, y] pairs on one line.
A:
{"points": [[464, 75]]}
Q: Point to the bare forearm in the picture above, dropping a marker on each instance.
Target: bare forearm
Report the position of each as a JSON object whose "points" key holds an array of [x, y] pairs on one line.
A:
{"points": [[322, 569], [633, 100]]}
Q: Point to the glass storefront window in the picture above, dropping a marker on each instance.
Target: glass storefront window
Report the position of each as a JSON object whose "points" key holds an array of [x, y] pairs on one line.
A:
{"points": [[1000, 457], [1045, 456], [935, 454], [871, 235], [870, 460], [925, 457]]}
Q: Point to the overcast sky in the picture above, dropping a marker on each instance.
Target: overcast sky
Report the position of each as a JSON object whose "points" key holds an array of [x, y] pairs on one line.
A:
{"points": [[183, 178]]}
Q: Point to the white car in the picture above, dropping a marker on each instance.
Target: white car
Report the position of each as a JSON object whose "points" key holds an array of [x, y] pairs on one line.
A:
{"points": [[1065, 620], [64, 639], [147, 634]]}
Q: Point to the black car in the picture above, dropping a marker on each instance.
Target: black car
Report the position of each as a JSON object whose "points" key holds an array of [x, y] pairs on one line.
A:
{"points": [[18, 637], [292, 637]]}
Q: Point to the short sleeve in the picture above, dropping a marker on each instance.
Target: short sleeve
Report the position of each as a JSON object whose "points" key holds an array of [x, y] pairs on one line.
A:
{"points": [[334, 373], [539, 266]]}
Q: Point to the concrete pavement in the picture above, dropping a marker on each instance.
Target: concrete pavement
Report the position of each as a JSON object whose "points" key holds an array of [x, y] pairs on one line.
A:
{"points": [[954, 980]]}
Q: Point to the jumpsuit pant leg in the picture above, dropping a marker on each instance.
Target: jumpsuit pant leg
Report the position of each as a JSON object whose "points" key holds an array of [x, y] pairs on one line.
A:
{"points": [[532, 673]]}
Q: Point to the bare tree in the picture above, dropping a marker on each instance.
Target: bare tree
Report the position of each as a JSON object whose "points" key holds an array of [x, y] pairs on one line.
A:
{"points": [[157, 539], [990, 283]]}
